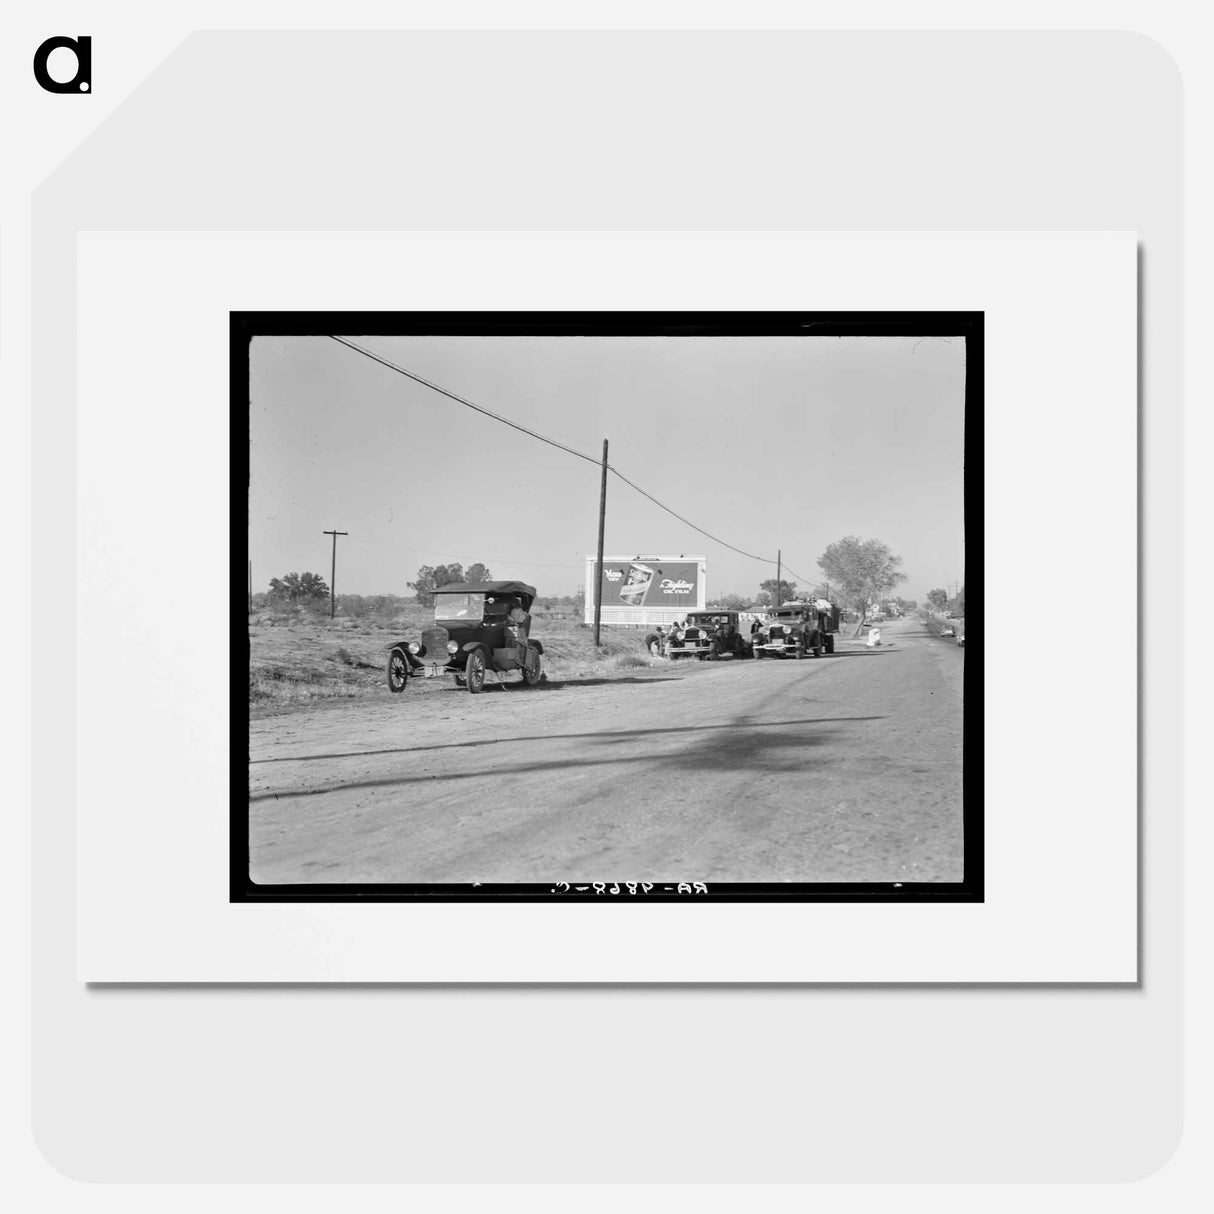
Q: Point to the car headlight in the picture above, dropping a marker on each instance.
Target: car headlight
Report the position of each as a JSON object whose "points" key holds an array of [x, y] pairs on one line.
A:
{"points": [[414, 647], [452, 647], [678, 636]]}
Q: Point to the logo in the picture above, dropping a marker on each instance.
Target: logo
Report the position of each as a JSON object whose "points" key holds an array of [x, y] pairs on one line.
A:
{"points": [[670, 587], [613, 575], [82, 48]]}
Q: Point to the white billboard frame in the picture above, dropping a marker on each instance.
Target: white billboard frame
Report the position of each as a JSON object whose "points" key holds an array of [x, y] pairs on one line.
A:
{"points": [[647, 615]]}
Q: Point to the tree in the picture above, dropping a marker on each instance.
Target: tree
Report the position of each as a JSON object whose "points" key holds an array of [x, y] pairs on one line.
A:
{"points": [[772, 594], [424, 586], [861, 572], [730, 602], [956, 607], [297, 587], [937, 599], [431, 577]]}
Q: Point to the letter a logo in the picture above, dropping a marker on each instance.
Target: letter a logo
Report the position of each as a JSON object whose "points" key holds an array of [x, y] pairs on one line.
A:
{"points": [[82, 48]]}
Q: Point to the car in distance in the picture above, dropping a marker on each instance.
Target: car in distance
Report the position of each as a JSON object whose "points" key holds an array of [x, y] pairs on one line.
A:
{"points": [[478, 626], [708, 635], [798, 629]]}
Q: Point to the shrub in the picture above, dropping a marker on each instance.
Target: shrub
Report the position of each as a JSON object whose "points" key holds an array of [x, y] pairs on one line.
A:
{"points": [[626, 660]]}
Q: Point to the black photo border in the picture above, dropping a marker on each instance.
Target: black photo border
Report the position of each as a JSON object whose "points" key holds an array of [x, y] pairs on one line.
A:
{"points": [[246, 325]]}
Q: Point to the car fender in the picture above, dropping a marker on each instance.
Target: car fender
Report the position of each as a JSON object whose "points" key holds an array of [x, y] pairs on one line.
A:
{"points": [[411, 659]]}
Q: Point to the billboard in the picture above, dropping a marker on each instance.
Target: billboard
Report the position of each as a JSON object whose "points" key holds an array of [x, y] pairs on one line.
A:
{"points": [[647, 587]]}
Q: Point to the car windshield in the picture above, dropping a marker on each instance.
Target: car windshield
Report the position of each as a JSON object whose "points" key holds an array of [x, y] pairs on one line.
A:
{"points": [[708, 619], [470, 607]]}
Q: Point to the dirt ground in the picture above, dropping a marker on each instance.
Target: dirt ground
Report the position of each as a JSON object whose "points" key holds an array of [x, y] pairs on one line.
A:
{"points": [[844, 768]]}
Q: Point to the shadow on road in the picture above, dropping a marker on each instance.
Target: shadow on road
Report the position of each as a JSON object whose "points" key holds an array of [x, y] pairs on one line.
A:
{"points": [[565, 684], [861, 653], [548, 684], [753, 747], [619, 734]]}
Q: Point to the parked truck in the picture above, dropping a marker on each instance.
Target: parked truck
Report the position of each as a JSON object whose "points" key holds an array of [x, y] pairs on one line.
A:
{"points": [[798, 629]]}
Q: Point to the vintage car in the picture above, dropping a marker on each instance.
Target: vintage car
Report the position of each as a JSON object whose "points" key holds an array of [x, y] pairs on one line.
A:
{"points": [[478, 626], [796, 630], [708, 635]]}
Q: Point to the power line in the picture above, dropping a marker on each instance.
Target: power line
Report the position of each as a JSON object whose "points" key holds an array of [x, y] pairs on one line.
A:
{"points": [[689, 523], [550, 441], [497, 417], [795, 574]]}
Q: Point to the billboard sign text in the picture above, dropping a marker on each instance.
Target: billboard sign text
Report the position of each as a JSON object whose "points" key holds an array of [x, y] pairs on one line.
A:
{"points": [[675, 583]]}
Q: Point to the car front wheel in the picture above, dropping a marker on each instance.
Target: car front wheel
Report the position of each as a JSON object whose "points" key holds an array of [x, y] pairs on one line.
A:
{"points": [[398, 672], [474, 672]]}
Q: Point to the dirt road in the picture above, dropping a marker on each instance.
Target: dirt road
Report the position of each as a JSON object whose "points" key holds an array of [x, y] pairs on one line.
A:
{"points": [[844, 768]]}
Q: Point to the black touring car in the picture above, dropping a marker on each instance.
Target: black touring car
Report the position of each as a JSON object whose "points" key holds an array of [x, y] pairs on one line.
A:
{"points": [[708, 635], [478, 626]]}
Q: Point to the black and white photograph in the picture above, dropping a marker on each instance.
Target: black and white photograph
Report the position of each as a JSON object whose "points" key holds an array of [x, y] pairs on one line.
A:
{"points": [[593, 606]]}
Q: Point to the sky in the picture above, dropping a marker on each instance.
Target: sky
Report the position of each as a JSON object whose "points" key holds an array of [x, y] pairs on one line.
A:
{"points": [[767, 443]]}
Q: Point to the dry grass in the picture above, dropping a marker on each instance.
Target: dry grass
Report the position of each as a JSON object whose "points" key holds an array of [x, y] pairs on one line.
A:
{"points": [[300, 658], [280, 685]]}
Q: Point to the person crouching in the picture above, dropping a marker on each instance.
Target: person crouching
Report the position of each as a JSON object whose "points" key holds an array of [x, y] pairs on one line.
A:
{"points": [[655, 642]]}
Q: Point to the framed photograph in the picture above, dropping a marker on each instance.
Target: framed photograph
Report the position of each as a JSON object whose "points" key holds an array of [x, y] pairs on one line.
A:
{"points": [[403, 767], [618, 606]]}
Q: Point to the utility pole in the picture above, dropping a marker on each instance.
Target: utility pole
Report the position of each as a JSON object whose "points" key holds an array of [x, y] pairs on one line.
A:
{"points": [[333, 575], [779, 591], [598, 586], [250, 587]]}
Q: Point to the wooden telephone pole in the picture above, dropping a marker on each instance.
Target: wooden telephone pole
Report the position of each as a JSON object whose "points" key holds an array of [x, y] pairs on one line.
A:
{"points": [[598, 585], [333, 575]]}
